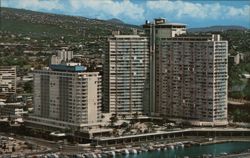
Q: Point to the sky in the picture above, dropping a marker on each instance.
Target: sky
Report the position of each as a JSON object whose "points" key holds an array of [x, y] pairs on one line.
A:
{"points": [[194, 13]]}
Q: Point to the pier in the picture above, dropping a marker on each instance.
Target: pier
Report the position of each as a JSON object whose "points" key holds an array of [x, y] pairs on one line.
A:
{"points": [[175, 134]]}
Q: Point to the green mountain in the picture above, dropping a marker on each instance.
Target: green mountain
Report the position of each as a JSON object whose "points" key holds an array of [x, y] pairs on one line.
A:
{"points": [[117, 21], [217, 28], [40, 24]]}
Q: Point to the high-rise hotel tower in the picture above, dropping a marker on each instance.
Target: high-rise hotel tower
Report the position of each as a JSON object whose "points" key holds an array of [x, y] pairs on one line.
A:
{"points": [[126, 75], [157, 30], [188, 74]]}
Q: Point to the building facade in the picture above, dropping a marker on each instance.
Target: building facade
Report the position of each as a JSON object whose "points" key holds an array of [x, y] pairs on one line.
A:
{"points": [[7, 80], [66, 96], [193, 77], [126, 75]]}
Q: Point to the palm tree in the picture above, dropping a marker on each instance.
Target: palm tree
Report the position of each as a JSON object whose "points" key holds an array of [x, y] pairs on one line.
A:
{"points": [[113, 119], [123, 116], [136, 115]]}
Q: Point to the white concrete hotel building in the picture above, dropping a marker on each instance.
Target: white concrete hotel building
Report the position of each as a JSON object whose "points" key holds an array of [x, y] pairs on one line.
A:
{"points": [[66, 97], [126, 75]]}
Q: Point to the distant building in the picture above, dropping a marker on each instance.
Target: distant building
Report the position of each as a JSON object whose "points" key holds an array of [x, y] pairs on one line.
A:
{"points": [[235, 59], [63, 55], [7, 80], [66, 97], [126, 75]]}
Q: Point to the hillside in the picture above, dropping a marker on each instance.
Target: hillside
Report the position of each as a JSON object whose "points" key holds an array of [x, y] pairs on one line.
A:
{"points": [[45, 31], [217, 28], [51, 25], [117, 21]]}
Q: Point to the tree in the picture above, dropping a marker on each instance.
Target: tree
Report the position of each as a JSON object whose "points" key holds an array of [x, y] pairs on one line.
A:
{"points": [[123, 116], [136, 115], [113, 120], [124, 125], [28, 87], [246, 90]]}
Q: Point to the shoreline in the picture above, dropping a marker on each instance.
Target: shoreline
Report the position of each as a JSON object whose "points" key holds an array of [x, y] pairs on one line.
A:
{"points": [[157, 146], [138, 147]]}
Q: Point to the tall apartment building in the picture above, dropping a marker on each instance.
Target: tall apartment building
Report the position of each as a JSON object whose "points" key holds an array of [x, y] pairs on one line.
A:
{"points": [[126, 75], [159, 28], [193, 77], [188, 75], [7, 80], [65, 96]]}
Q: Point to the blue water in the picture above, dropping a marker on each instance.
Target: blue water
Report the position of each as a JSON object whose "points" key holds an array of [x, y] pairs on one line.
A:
{"points": [[195, 151]]}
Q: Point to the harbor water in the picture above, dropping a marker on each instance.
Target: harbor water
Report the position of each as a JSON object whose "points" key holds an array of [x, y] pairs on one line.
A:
{"points": [[194, 151]]}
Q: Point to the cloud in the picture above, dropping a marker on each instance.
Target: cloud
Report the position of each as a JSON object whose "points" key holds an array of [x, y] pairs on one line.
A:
{"points": [[182, 9], [245, 11], [107, 8], [34, 4], [136, 11]]}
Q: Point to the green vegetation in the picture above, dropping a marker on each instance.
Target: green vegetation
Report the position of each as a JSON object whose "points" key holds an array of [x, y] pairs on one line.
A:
{"points": [[36, 30], [28, 87], [238, 42], [10, 60], [240, 115]]}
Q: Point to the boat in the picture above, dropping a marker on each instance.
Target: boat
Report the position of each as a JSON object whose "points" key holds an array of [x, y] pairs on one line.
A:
{"points": [[150, 148], [134, 151], [144, 150], [99, 155], [171, 147], [112, 153], [125, 152]]}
